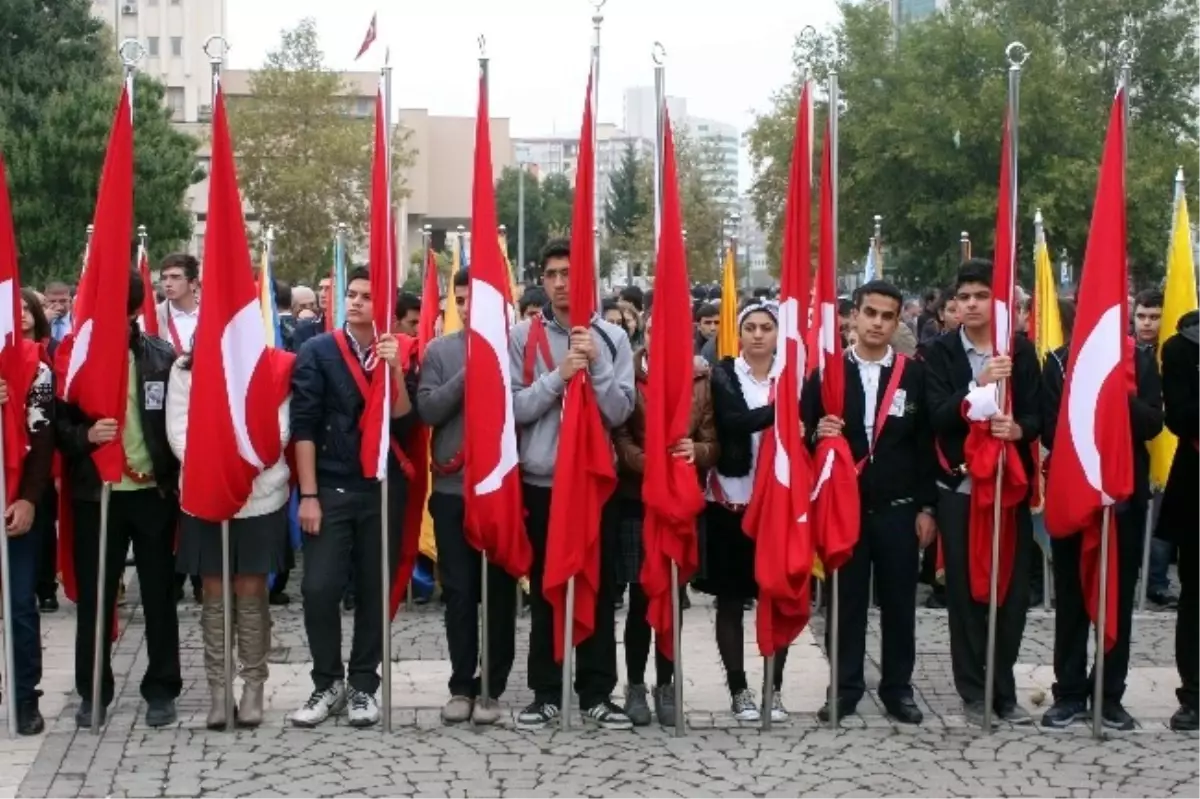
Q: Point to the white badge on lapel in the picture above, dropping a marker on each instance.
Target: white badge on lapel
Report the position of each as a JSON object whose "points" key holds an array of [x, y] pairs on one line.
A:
{"points": [[156, 392], [898, 399]]}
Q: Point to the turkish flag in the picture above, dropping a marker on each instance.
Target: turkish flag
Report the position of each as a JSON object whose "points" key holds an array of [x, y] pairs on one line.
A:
{"points": [[836, 511], [670, 488], [777, 517], [584, 474], [97, 373], [1092, 464], [149, 308], [238, 381], [430, 299], [495, 522]]}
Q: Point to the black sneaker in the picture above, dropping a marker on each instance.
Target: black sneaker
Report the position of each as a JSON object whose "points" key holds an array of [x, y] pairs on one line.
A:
{"points": [[161, 712], [348, 602], [1115, 717], [48, 604], [844, 708], [1014, 714], [83, 715], [607, 716], [29, 718], [279, 598], [1185, 720], [1164, 599], [537, 715], [1064, 713]]}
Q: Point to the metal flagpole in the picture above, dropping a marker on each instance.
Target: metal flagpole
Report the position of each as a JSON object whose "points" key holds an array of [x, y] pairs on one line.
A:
{"points": [[768, 691], [964, 246], [568, 655], [1016, 55], [10, 658], [597, 19], [1039, 238], [521, 222], [878, 265], [834, 607], [485, 656], [385, 556]]}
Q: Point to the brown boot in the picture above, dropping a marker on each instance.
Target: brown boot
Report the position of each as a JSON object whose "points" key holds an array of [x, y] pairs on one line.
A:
{"points": [[212, 627], [254, 642]]}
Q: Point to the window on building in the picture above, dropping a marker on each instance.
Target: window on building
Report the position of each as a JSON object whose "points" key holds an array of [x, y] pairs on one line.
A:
{"points": [[198, 245], [176, 45], [151, 2], [175, 101], [152, 46]]}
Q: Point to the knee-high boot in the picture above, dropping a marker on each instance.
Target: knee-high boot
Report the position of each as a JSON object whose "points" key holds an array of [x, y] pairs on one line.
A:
{"points": [[212, 626], [254, 642]]}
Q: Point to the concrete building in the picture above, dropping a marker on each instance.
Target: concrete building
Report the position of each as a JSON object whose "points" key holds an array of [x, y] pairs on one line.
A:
{"points": [[904, 11], [640, 117]]}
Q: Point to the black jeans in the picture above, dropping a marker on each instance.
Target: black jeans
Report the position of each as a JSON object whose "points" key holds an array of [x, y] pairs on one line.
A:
{"points": [[1072, 626], [460, 570], [637, 642], [147, 519], [1187, 624], [968, 618], [45, 522], [595, 658], [23, 553], [349, 538], [888, 539]]}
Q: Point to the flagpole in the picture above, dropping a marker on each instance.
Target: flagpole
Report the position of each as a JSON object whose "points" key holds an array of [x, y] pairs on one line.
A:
{"points": [[10, 658], [834, 593], [1039, 240], [597, 19], [484, 642], [878, 257], [385, 560], [964, 246]]}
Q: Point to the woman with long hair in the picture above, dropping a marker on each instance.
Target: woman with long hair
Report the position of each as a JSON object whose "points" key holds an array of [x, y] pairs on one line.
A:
{"points": [[258, 546], [35, 327]]}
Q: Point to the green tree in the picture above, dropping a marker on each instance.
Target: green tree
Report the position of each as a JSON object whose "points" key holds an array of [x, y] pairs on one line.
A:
{"points": [[57, 100], [508, 196], [304, 157], [627, 202], [920, 129]]}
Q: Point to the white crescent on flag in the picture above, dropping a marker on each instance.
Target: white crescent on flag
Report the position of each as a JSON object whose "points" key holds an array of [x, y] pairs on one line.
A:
{"points": [[1097, 360]]}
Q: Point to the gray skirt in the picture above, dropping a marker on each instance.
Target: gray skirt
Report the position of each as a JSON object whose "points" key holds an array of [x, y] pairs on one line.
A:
{"points": [[257, 545]]}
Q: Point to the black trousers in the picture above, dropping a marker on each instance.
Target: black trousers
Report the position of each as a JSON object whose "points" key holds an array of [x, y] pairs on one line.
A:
{"points": [[595, 658], [460, 569], [1072, 627], [1187, 624], [968, 618], [888, 539], [349, 538], [147, 519], [637, 642], [45, 520]]}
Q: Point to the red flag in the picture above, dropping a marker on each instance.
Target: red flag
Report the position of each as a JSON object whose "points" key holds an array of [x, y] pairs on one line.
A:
{"points": [[19, 358], [430, 297], [149, 307], [835, 498], [777, 517], [1092, 467], [238, 382], [97, 375], [670, 490], [495, 523], [368, 40], [584, 475]]}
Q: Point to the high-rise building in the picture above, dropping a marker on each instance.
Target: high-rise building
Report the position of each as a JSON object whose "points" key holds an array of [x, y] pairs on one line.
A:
{"points": [[640, 117], [904, 11]]}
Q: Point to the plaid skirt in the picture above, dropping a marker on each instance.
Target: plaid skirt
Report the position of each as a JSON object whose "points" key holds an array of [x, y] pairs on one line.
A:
{"points": [[631, 551]]}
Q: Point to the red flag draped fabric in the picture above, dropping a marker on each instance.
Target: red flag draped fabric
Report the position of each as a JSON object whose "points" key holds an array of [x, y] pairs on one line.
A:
{"points": [[369, 38], [427, 325], [836, 512], [19, 358], [149, 308], [584, 475], [97, 374], [1091, 467], [495, 523], [238, 381], [778, 515], [670, 489]]}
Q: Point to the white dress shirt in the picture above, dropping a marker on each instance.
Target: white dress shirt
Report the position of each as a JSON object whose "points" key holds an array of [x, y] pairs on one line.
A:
{"points": [[757, 394], [869, 372], [185, 323]]}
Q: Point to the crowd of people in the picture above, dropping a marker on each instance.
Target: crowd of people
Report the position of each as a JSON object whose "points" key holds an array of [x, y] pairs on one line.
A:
{"points": [[919, 371]]}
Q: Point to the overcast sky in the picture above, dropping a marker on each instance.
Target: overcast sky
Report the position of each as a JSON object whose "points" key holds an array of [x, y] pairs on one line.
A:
{"points": [[725, 56]]}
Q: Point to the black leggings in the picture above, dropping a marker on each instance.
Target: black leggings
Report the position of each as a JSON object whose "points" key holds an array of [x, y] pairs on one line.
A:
{"points": [[730, 643], [637, 642]]}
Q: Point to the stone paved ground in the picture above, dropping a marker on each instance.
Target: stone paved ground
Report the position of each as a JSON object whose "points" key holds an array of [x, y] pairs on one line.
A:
{"points": [[869, 756]]}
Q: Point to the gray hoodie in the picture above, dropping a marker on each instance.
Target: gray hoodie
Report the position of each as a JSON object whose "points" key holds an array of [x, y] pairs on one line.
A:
{"points": [[440, 405], [538, 406]]}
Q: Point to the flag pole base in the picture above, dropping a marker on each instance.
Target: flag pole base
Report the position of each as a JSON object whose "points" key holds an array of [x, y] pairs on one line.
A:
{"points": [[385, 609], [485, 659], [768, 691], [834, 645], [1101, 624], [568, 655], [102, 605], [677, 649], [227, 626]]}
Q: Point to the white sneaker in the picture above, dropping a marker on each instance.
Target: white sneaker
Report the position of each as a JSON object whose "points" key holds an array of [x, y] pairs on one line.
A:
{"points": [[364, 710], [744, 707], [778, 711], [321, 704]]}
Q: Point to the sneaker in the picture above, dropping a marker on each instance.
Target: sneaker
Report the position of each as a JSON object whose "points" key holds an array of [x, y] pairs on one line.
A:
{"points": [[973, 713], [608, 716], [486, 712], [29, 718], [664, 704], [1185, 719], [322, 703], [778, 711], [364, 710], [1014, 714], [161, 712], [636, 707], [1064, 713], [1164, 599], [744, 707], [48, 604], [457, 710], [537, 715], [1114, 716], [844, 708], [348, 602], [83, 715], [121, 594], [278, 598]]}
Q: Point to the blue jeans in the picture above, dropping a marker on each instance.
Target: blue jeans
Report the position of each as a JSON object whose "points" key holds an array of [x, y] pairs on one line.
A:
{"points": [[23, 554], [1157, 582]]}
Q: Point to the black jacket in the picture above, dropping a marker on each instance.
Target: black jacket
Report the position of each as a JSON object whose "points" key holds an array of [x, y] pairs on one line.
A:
{"points": [[1145, 409], [904, 465], [947, 381], [306, 331], [152, 358], [735, 421], [326, 408], [1181, 402]]}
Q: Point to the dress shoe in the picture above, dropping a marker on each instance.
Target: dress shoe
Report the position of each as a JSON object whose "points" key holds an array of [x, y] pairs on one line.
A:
{"points": [[1185, 720], [29, 718], [83, 714], [48, 604], [844, 708], [161, 712], [904, 710]]}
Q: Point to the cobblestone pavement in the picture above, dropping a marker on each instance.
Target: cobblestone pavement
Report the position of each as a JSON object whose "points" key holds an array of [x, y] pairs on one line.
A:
{"points": [[869, 756]]}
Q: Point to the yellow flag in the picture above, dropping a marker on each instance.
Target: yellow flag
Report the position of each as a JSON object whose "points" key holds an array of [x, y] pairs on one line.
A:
{"points": [[512, 278], [1049, 332], [1179, 297], [451, 321], [727, 332]]}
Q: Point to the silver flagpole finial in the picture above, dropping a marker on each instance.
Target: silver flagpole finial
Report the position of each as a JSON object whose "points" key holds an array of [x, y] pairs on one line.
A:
{"points": [[808, 41], [1179, 174], [131, 52], [658, 54], [1017, 54], [141, 231], [1037, 216], [270, 234], [216, 47], [482, 42]]}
